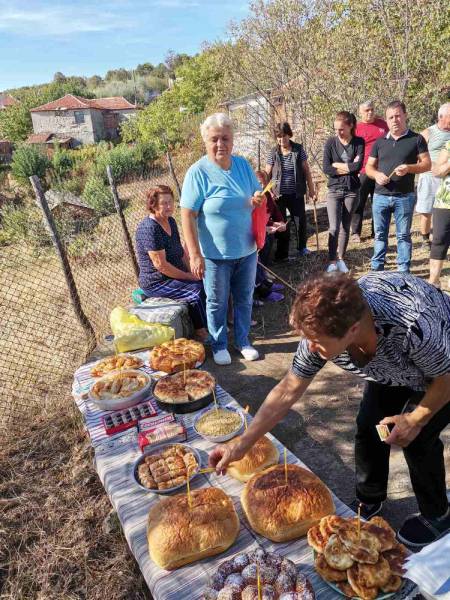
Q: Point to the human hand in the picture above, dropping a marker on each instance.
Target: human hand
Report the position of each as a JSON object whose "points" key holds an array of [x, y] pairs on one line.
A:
{"points": [[257, 199], [401, 170], [193, 277], [271, 229], [405, 429], [280, 226], [197, 263], [381, 178], [223, 455]]}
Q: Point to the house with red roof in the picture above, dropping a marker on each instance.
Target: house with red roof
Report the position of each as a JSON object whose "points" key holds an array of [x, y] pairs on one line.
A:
{"points": [[7, 100], [74, 120]]}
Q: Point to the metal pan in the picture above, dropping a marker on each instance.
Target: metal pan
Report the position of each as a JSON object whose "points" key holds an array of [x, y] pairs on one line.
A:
{"points": [[182, 407]]}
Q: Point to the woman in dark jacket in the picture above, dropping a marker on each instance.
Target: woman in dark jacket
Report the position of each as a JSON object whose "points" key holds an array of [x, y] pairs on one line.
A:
{"points": [[343, 157], [287, 165]]}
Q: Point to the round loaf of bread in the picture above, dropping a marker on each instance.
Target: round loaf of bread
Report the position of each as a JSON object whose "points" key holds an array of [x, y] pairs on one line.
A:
{"points": [[179, 534], [283, 512], [261, 455]]}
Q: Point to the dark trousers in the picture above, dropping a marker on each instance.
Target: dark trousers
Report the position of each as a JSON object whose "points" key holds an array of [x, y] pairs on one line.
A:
{"points": [[367, 188], [424, 455], [441, 233], [296, 206]]}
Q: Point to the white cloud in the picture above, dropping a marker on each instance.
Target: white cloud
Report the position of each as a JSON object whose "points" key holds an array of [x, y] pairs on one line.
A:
{"points": [[43, 20]]}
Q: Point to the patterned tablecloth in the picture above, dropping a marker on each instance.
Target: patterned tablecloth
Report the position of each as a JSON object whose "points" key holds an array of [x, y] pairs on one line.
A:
{"points": [[114, 458]]}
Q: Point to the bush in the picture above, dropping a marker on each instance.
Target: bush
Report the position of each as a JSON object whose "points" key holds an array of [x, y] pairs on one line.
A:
{"points": [[98, 196], [23, 224], [62, 162], [28, 161], [74, 185]]}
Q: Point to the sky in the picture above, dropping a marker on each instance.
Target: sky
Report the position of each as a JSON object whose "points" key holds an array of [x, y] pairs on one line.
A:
{"points": [[81, 37]]}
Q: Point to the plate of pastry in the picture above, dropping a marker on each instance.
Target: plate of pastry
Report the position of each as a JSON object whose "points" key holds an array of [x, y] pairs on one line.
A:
{"points": [[120, 389], [117, 362], [185, 391], [166, 468], [177, 355], [364, 561]]}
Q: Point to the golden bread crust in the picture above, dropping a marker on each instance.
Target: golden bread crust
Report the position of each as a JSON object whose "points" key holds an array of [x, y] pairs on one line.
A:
{"points": [[261, 455], [283, 512], [178, 535], [177, 355]]}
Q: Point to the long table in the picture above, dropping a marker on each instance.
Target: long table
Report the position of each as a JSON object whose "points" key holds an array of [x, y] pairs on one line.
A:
{"points": [[114, 459]]}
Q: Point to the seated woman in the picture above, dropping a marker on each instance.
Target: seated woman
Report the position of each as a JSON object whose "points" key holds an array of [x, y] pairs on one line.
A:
{"points": [[163, 264]]}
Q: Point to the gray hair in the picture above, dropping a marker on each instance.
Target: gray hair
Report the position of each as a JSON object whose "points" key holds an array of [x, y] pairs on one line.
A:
{"points": [[367, 104], [215, 120], [443, 110]]}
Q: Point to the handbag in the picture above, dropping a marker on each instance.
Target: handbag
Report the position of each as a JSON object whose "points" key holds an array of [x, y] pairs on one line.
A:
{"points": [[260, 218]]}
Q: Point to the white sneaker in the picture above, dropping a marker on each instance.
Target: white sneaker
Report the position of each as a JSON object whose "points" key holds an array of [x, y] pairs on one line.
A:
{"points": [[341, 266], [222, 357], [332, 268], [249, 353]]}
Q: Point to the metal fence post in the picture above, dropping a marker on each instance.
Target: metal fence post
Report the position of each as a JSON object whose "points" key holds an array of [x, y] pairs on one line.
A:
{"points": [[126, 233], [61, 252], [259, 154]]}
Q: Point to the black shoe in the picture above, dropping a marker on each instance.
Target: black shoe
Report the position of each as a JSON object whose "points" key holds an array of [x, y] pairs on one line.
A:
{"points": [[367, 510], [417, 531]]}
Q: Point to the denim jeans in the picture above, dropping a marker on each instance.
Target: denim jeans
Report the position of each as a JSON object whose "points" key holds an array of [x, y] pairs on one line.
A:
{"points": [[403, 207], [221, 277]]}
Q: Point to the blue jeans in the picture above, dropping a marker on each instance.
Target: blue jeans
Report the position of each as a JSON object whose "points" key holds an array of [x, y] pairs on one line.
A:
{"points": [[221, 277], [403, 208]]}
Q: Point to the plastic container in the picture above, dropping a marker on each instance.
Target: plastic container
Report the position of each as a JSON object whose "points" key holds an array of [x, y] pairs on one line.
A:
{"points": [[120, 402], [219, 438], [158, 450]]}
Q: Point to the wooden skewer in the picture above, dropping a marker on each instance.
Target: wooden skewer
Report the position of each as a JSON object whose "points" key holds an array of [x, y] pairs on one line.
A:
{"points": [[359, 521], [285, 467], [245, 416], [215, 400], [291, 287], [207, 470], [258, 580], [189, 497]]}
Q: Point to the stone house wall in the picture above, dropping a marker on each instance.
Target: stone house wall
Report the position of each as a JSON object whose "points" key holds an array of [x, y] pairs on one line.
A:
{"points": [[62, 122]]}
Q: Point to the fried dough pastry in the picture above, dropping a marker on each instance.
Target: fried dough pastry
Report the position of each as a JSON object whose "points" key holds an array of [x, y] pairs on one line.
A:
{"points": [[396, 558], [393, 584], [336, 555], [345, 588], [334, 523], [316, 539], [325, 529], [374, 575], [365, 593], [326, 572], [381, 529], [362, 547]]}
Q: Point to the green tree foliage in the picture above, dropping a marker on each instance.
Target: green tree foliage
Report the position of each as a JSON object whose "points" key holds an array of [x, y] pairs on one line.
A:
{"points": [[98, 196], [117, 75], [28, 161], [59, 77], [144, 69], [168, 120], [94, 81]]}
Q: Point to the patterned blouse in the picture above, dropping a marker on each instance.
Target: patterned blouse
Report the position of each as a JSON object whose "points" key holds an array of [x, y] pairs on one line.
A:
{"points": [[412, 321]]}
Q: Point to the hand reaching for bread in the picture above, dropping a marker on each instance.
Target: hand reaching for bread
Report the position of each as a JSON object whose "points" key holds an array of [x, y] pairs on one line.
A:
{"points": [[223, 455]]}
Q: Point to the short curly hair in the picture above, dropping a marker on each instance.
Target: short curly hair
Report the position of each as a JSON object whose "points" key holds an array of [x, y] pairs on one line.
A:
{"points": [[327, 304], [153, 194]]}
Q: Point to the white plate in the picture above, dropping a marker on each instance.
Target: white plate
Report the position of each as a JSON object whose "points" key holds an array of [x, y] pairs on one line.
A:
{"points": [[219, 438], [119, 402]]}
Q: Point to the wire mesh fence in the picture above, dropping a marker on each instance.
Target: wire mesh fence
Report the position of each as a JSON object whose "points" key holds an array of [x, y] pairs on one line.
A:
{"points": [[41, 338]]}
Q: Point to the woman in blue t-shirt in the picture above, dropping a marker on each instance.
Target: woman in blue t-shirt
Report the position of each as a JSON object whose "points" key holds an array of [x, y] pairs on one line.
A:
{"points": [[163, 264], [219, 193]]}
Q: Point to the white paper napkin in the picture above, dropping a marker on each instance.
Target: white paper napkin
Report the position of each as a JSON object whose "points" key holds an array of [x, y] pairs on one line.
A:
{"points": [[430, 568]]}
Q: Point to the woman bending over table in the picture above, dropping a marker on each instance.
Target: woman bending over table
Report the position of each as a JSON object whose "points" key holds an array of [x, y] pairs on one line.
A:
{"points": [[163, 264]]}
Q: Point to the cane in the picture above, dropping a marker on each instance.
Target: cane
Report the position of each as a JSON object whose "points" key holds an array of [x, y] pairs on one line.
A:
{"points": [[291, 287]]}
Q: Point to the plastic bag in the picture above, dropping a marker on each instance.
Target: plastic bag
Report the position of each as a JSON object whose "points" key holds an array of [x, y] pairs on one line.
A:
{"points": [[131, 332], [260, 218]]}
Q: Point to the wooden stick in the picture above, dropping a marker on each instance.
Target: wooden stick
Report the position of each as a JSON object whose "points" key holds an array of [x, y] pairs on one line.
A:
{"points": [[215, 399], [245, 416], [258, 581], [315, 223], [207, 470], [285, 467], [189, 488], [268, 187], [291, 287], [359, 521]]}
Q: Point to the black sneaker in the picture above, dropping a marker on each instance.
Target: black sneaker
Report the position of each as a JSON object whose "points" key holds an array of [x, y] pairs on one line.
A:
{"points": [[417, 531], [367, 510]]}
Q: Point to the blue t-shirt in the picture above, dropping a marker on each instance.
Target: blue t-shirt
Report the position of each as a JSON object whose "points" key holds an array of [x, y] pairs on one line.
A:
{"points": [[222, 200], [151, 236]]}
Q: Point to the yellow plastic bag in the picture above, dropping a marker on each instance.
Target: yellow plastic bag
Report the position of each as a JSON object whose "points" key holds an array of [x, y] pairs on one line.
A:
{"points": [[131, 332]]}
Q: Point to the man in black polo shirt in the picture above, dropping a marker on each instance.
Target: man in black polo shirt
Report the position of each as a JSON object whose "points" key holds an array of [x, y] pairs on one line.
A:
{"points": [[394, 160]]}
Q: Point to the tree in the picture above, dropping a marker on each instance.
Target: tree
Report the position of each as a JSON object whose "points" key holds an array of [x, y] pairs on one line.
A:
{"points": [[118, 75], [28, 161], [94, 81], [174, 60], [59, 77], [144, 69]]}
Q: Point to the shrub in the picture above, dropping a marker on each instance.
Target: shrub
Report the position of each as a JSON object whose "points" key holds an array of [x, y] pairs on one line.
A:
{"points": [[98, 195], [27, 161], [62, 162], [121, 160], [74, 185], [23, 224]]}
